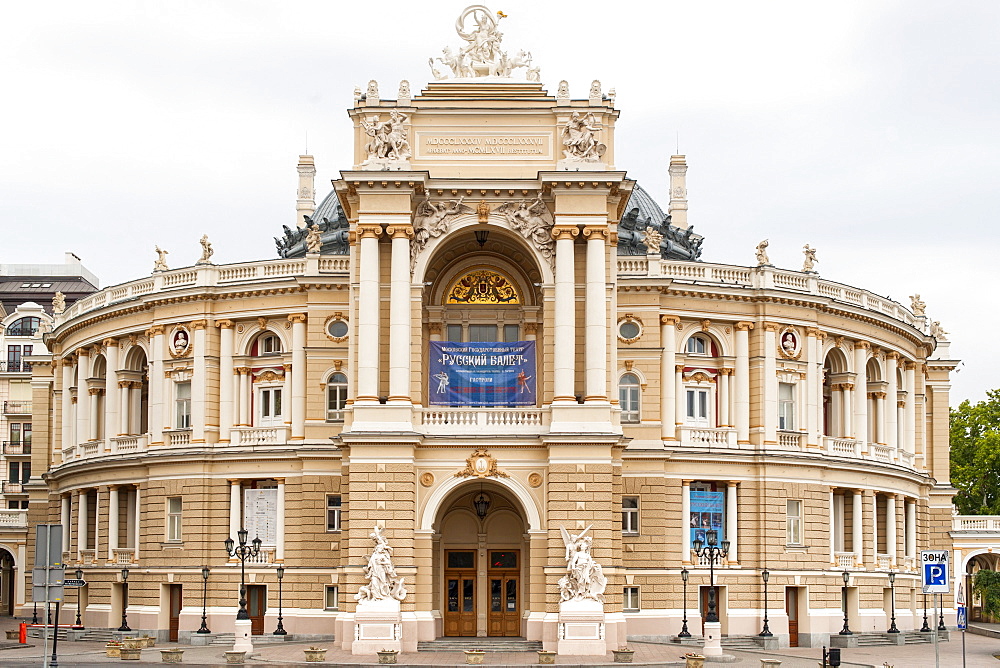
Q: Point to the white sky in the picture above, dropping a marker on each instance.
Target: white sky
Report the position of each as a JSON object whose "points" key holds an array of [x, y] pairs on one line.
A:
{"points": [[869, 130]]}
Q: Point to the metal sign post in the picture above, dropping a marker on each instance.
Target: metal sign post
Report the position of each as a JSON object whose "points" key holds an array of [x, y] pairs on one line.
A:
{"points": [[47, 581], [962, 618], [934, 580]]}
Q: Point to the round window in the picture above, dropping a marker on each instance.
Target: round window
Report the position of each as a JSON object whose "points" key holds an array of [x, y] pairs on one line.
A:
{"points": [[629, 330], [337, 329]]}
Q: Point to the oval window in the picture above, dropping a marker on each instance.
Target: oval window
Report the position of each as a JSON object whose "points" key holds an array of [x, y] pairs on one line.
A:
{"points": [[629, 330], [337, 329]]}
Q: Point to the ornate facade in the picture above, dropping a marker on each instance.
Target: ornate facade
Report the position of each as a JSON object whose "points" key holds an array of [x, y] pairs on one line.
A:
{"points": [[804, 420]]}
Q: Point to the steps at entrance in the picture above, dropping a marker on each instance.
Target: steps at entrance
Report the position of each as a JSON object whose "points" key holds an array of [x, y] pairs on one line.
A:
{"points": [[266, 639], [741, 642], [484, 644]]}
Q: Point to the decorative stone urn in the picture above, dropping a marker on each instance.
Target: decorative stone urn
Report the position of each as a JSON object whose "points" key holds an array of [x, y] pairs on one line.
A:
{"points": [[317, 654], [233, 656], [113, 650], [172, 655], [388, 656], [694, 661], [474, 657], [130, 653], [623, 655], [546, 656]]}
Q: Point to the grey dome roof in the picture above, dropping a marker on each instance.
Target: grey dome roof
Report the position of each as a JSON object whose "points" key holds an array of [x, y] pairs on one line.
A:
{"points": [[641, 212], [332, 226]]}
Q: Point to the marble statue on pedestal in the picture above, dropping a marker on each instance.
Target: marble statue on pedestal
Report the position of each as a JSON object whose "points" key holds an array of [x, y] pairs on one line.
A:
{"points": [[917, 305], [482, 55], [161, 260], [584, 578], [383, 582], [762, 258], [206, 251], [58, 303], [810, 258]]}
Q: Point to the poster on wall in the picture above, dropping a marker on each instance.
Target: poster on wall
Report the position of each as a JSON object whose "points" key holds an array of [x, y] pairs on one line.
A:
{"points": [[706, 513], [260, 515], [482, 374]]}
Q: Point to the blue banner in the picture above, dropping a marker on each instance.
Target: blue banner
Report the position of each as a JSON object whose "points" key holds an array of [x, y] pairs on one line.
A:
{"points": [[482, 374], [706, 513]]}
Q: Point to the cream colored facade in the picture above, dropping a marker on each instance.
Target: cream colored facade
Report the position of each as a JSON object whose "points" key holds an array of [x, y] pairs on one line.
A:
{"points": [[182, 405]]}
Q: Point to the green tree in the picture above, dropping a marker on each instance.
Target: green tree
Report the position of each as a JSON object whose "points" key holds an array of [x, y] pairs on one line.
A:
{"points": [[986, 584], [975, 455]]}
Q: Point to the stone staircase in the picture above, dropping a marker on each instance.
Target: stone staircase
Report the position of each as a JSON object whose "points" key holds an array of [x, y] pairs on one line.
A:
{"points": [[741, 643], [266, 639], [484, 644], [92, 635]]}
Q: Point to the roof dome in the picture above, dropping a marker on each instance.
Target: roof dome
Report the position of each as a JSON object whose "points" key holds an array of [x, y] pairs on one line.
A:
{"points": [[642, 212], [332, 227]]}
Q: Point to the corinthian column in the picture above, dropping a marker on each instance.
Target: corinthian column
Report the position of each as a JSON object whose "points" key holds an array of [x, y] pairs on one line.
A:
{"points": [[596, 330], [156, 383], [769, 383], [83, 397], [668, 384], [368, 314], [298, 321], [226, 380], [399, 313], [199, 386], [565, 312], [891, 407], [861, 392], [112, 402], [743, 381]]}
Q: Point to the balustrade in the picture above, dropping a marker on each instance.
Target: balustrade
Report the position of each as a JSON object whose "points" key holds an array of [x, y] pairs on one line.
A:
{"points": [[710, 437], [470, 420], [259, 435], [13, 519], [990, 523], [123, 556], [846, 561]]}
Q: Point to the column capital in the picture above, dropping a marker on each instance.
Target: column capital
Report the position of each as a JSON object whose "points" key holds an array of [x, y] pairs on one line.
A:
{"points": [[598, 232], [669, 319], [280, 481], [815, 332], [744, 326], [771, 327], [400, 231], [909, 366], [243, 370], [297, 317], [124, 384], [82, 352], [892, 355], [94, 391], [531, 328], [155, 330], [286, 367], [686, 482], [199, 324], [564, 231], [369, 231], [862, 345], [679, 368], [224, 324], [109, 343], [434, 327]]}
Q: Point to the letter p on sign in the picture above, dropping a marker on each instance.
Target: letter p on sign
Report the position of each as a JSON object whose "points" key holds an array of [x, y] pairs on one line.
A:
{"points": [[934, 568]]}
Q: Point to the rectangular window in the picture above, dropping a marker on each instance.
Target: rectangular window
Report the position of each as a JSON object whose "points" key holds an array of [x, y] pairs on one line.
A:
{"points": [[18, 472], [173, 518], [455, 333], [793, 522], [15, 432], [333, 512], [332, 597], [511, 333], [630, 599], [697, 406], [630, 514], [786, 406], [336, 400], [183, 406], [13, 358], [270, 406], [483, 333]]}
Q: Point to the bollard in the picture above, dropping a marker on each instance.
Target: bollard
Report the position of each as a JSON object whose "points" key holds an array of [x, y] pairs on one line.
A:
{"points": [[23, 633]]}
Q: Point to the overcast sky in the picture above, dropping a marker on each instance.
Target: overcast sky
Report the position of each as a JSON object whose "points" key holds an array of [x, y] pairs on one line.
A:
{"points": [[869, 130]]}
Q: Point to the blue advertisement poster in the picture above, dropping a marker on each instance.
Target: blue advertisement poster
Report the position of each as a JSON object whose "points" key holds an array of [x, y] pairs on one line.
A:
{"points": [[482, 374], [706, 513]]}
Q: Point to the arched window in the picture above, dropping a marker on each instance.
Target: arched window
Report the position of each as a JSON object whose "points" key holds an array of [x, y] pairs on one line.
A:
{"points": [[628, 397], [698, 345], [336, 397], [26, 326], [267, 344]]}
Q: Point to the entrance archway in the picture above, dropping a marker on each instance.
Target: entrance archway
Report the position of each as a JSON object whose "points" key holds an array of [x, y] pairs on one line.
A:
{"points": [[480, 565], [7, 574]]}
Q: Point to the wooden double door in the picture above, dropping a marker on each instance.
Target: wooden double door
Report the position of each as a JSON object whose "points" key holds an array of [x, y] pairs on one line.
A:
{"points": [[503, 594]]}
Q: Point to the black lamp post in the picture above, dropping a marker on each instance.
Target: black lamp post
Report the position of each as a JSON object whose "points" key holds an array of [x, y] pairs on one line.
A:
{"points": [[124, 626], [204, 600], [941, 626], [243, 552], [713, 553], [925, 628], [892, 588], [280, 631], [766, 632], [846, 631], [684, 628], [79, 593], [34, 611]]}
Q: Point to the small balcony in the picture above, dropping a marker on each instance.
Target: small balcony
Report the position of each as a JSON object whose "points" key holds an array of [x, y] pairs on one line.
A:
{"points": [[123, 556], [127, 444], [88, 556], [13, 448], [177, 438], [708, 437], [259, 435], [845, 447], [447, 421], [883, 562], [17, 408], [15, 367], [846, 561], [13, 519], [791, 440], [976, 523], [8, 487]]}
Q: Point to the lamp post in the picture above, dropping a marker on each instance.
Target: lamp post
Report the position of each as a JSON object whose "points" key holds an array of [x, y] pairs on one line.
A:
{"points": [[892, 588], [713, 553], [79, 593], [204, 600], [766, 632], [925, 628], [846, 631], [243, 552], [124, 626], [684, 628], [940, 626], [280, 631]]}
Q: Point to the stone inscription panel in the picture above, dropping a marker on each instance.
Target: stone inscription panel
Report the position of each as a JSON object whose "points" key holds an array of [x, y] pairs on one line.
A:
{"points": [[480, 145]]}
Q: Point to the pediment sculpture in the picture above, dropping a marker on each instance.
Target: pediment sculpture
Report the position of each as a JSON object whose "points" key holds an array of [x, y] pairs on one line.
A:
{"points": [[532, 220], [579, 138], [584, 578], [383, 581], [431, 220], [389, 144], [481, 56]]}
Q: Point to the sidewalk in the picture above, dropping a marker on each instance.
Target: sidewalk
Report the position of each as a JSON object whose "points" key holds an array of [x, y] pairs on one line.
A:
{"points": [[979, 655]]}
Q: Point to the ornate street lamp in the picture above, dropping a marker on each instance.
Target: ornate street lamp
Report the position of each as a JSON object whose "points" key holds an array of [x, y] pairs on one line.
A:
{"points": [[280, 631], [79, 593], [204, 600], [940, 626], [712, 552], [766, 632], [925, 628], [243, 552], [846, 631], [482, 504], [892, 587], [684, 629], [124, 626]]}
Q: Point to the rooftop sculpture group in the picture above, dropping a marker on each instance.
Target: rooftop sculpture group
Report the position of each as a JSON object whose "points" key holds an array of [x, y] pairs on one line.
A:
{"points": [[482, 55]]}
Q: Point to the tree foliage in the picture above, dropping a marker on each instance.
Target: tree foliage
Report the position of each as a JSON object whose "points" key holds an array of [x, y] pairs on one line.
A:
{"points": [[975, 455], [986, 585]]}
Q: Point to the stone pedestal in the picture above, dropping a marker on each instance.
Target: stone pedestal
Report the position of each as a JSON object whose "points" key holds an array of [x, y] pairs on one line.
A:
{"points": [[837, 640], [242, 633], [713, 639], [378, 625], [581, 628]]}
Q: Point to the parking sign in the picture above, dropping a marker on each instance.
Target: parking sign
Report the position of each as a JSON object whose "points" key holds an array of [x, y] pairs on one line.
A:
{"points": [[934, 569]]}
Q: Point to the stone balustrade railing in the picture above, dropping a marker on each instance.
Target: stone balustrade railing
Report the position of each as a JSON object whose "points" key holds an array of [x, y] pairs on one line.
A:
{"points": [[13, 519], [846, 561], [986, 523]]}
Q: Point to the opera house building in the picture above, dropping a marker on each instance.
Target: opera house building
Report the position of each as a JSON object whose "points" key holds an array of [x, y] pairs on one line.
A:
{"points": [[490, 387]]}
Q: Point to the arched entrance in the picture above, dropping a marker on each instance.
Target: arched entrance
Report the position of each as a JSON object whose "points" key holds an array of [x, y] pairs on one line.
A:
{"points": [[7, 574], [974, 564], [481, 551]]}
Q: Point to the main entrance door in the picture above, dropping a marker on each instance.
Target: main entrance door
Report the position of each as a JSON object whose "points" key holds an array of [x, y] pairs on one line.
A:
{"points": [[175, 612], [792, 610], [460, 593], [504, 617]]}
